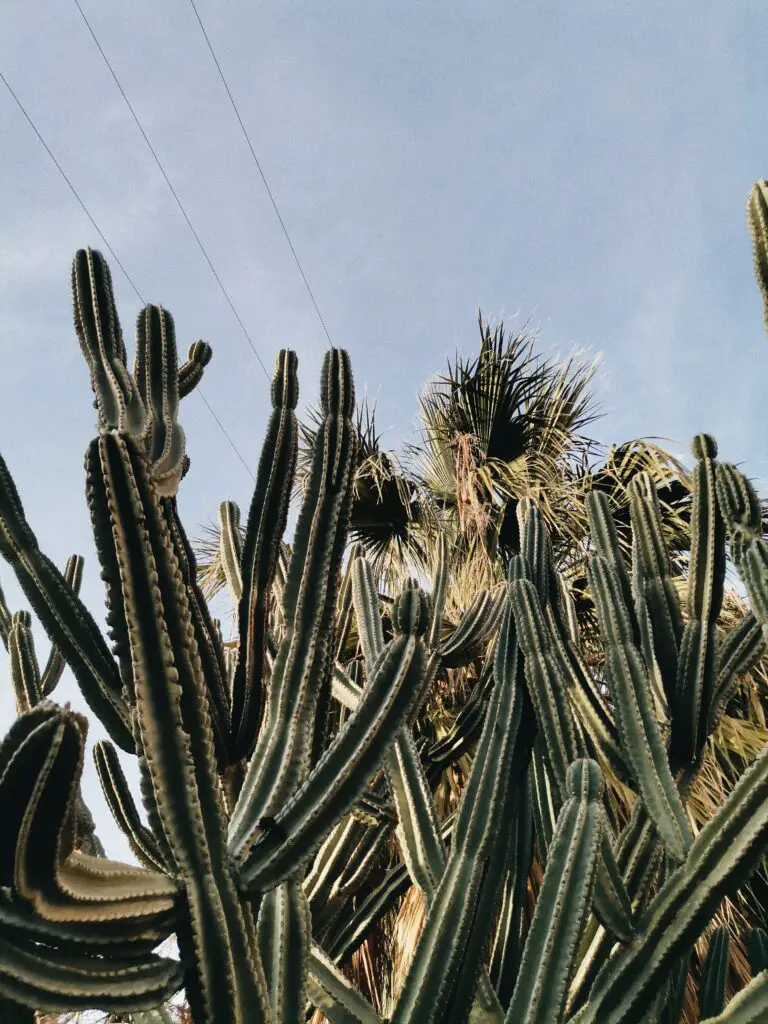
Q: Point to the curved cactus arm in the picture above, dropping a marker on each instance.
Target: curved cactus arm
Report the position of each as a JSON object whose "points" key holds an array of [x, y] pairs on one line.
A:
{"points": [[267, 518], [156, 375], [757, 220], [174, 731], [331, 992], [394, 687], [740, 650], [344, 689], [284, 939], [231, 548], [723, 855], [52, 981], [54, 666], [639, 732], [656, 600], [439, 592], [123, 809], [25, 672], [476, 625], [697, 663], [192, 369], [362, 860], [749, 1006], [333, 853], [283, 751], [715, 974], [38, 785], [64, 617], [757, 950], [584, 693], [672, 1012], [465, 729], [365, 599], [439, 963], [563, 902], [508, 941], [101, 341]]}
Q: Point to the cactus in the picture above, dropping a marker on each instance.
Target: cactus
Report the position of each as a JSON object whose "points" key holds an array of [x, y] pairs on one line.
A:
{"points": [[273, 779], [757, 219]]}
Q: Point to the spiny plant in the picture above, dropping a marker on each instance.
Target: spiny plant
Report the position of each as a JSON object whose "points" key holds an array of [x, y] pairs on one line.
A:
{"points": [[253, 782]]}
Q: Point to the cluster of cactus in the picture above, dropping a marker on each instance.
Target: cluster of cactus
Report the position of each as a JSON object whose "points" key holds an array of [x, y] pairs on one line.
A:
{"points": [[271, 776]]}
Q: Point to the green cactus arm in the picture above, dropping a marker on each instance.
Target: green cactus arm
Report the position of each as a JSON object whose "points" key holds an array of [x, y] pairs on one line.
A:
{"points": [[283, 751], [54, 666], [64, 617], [101, 340], [697, 663], [330, 858], [156, 375], [365, 599], [174, 730], [345, 690], [207, 634], [348, 934], [331, 992], [725, 852], [267, 519], [757, 220], [603, 533], [439, 962], [740, 508], [5, 619], [418, 830], [38, 785], [749, 1006], [757, 950], [656, 600], [535, 547], [123, 809], [545, 684], [394, 687], [25, 671], [192, 369], [640, 737], [508, 941], [439, 592], [466, 726], [284, 940], [740, 650], [20, 924], [476, 625], [672, 1012], [583, 692], [715, 974], [563, 902], [231, 548], [362, 860], [55, 982]]}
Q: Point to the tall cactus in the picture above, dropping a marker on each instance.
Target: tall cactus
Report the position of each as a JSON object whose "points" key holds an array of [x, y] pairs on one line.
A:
{"points": [[272, 780]]}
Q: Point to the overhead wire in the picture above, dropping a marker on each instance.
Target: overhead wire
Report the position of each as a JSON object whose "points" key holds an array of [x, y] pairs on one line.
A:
{"points": [[261, 172], [103, 237], [173, 191]]}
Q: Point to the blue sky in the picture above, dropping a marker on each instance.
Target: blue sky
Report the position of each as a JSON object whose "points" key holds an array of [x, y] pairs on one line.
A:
{"points": [[584, 166]]}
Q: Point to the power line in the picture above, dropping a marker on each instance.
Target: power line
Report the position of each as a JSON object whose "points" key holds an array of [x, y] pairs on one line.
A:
{"points": [[261, 173], [72, 188], [112, 252], [175, 195]]}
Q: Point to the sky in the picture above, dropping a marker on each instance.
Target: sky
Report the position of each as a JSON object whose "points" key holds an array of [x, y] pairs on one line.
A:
{"points": [[582, 167]]}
